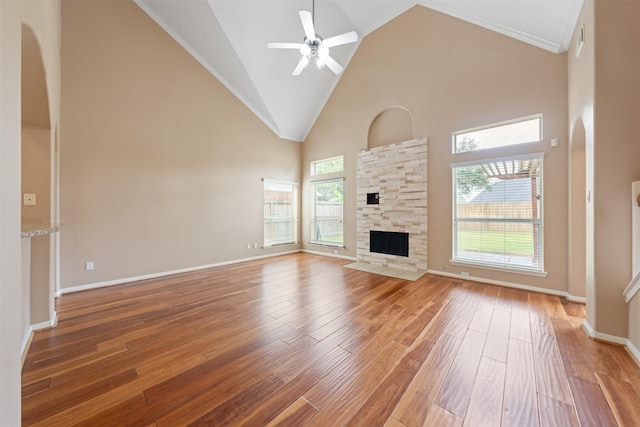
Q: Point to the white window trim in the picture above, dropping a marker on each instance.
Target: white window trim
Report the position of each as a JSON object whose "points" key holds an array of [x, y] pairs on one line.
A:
{"points": [[279, 181], [524, 271], [488, 266], [476, 162]]}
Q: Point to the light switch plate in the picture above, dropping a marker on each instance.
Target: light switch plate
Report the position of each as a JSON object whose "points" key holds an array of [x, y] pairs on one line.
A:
{"points": [[29, 199]]}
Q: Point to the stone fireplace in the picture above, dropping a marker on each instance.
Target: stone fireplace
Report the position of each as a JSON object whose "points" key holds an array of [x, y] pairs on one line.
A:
{"points": [[392, 206]]}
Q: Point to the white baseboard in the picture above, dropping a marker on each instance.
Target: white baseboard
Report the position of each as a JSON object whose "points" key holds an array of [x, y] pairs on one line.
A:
{"points": [[26, 343], [602, 336], [564, 294], [631, 348], [573, 298], [28, 336], [165, 273]]}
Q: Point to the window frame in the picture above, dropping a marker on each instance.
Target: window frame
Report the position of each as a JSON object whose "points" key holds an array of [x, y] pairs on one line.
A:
{"points": [[293, 218], [498, 266], [312, 235], [454, 145]]}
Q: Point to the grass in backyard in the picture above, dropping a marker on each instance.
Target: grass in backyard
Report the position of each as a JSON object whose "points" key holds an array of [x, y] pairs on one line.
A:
{"points": [[497, 242], [333, 239]]}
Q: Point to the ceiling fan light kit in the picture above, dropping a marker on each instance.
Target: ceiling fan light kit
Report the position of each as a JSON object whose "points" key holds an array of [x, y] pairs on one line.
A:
{"points": [[314, 46]]}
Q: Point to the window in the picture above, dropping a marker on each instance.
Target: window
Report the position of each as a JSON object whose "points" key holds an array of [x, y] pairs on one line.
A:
{"points": [[332, 165], [328, 202], [497, 213], [279, 213], [519, 131], [326, 224]]}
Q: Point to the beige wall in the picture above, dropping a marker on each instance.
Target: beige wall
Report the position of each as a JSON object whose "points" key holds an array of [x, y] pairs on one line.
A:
{"points": [[161, 164], [36, 173], [36, 178], [616, 151], [581, 79], [450, 75], [41, 294]]}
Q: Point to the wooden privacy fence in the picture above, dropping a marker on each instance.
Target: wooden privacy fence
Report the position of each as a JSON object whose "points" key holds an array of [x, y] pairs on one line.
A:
{"points": [[327, 221], [504, 210], [279, 222]]}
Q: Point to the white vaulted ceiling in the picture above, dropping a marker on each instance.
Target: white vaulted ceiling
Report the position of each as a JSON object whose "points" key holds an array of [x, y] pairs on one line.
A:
{"points": [[229, 38]]}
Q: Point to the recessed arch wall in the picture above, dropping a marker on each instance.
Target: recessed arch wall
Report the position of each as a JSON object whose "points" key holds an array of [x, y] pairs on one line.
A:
{"points": [[392, 125], [34, 93]]}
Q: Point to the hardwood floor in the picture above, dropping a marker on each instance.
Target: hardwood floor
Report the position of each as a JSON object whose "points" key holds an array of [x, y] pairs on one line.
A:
{"points": [[299, 340]]}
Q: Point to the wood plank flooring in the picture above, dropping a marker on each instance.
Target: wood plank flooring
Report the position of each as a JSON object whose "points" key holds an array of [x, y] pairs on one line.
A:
{"points": [[298, 340]]}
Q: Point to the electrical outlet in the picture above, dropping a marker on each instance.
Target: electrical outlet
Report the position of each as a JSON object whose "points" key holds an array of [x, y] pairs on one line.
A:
{"points": [[88, 266], [464, 274], [29, 199], [255, 245], [248, 245]]}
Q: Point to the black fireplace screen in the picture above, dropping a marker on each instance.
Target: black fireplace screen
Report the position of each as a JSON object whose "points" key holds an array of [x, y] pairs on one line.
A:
{"points": [[389, 242]]}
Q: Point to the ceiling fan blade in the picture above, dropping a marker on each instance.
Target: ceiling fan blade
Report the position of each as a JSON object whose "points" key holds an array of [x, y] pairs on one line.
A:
{"points": [[345, 38], [307, 24], [303, 63], [277, 45], [333, 65]]}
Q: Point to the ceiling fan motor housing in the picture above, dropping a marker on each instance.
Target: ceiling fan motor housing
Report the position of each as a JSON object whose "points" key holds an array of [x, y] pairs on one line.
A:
{"points": [[311, 47]]}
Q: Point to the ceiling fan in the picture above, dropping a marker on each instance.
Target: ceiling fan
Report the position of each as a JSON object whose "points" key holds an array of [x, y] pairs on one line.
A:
{"points": [[314, 46]]}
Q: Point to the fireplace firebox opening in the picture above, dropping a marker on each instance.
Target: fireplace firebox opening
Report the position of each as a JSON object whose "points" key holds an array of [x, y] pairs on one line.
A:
{"points": [[389, 242]]}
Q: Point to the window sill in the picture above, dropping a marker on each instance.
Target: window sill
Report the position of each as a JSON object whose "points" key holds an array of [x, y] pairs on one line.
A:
{"points": [[332, 245], [523, 271], [275, 245]]}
